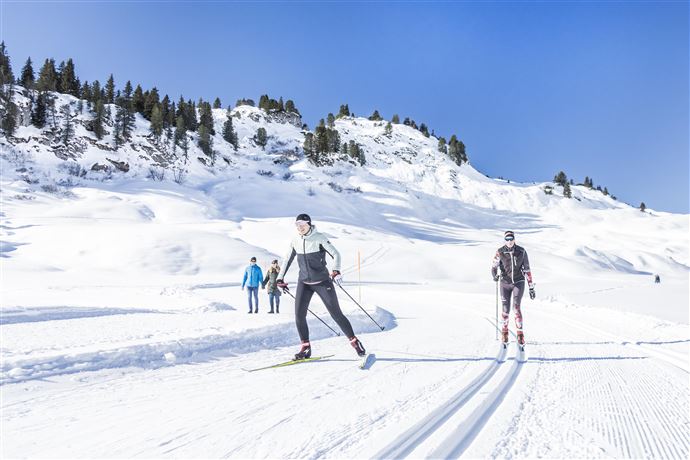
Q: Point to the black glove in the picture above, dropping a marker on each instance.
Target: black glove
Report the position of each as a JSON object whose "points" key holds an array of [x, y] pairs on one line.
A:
{"points": [[496, 278], [336, 276], [532, 294], [282, 285]]}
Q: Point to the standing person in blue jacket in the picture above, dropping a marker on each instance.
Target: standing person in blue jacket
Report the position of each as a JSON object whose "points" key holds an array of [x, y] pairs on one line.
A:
{"points": [[310, 248], [252, 278]]}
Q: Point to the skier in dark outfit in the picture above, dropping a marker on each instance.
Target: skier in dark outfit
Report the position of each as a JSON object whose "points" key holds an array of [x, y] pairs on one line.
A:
{"points": [[513, 263], [310, 247]]}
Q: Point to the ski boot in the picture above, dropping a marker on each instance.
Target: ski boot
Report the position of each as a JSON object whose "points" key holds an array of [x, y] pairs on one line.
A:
{"points": [[357, 345], [521, 339], [504, 338], [304, 352]]}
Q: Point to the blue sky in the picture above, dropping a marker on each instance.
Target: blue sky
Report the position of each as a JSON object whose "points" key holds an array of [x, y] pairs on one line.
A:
{"points": [[597, 89]]}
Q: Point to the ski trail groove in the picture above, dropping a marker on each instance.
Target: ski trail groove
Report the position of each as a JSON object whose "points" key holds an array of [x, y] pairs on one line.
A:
{"points": [[458, 440], [404, 444]]}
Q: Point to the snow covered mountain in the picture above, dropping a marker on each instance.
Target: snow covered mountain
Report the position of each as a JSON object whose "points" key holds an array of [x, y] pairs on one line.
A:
{"points": [[121, 302]]}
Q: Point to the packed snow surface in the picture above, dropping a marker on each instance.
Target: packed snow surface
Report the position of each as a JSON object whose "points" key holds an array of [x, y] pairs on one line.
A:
{"points": [[125, 331]]}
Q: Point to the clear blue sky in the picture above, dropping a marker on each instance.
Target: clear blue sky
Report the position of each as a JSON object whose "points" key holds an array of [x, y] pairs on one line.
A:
{"points": [[595, 89]]}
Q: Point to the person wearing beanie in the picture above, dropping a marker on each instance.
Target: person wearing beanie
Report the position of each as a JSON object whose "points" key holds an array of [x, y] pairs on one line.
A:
{"points": [[271, 280], [252, 278], [310, 247], [511, 266]]}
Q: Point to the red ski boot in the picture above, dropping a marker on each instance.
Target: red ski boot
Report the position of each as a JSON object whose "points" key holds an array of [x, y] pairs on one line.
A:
{"points": [[304, 352]]}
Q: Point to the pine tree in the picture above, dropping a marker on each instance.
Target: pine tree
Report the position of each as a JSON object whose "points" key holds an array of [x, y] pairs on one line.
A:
{"points": [[205, 141], [216, 103], [98, 119], [67, 126], [9, 111], [333, 140], [388, 130], [396, 119], [375, 116], [180, 130], [643, 207], [309, 147], [264, 103], [406, 121], [110, 90], [138, 100], [561, 179], [606, 191], [190, 114], [206, 117], [290, 107], [321, 139], [85, 92], [168, 118], [281, 106], [68, 79], [229, 132], [462, 153], [261, 137], [424, 130], [344, 111], [96, 92], [6, 75], [566, 191], [27, 78], [47, 76], [442, 147], [151, 100], [38, 115], [156, 122], [330, 120]]}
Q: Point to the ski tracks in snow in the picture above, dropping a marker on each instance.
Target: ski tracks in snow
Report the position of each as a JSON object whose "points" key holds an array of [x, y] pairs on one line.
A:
{"points": [[436, 424], [600, 400]]}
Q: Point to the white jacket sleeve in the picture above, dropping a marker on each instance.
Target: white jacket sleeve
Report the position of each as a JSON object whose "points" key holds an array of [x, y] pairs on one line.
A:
{"points": [[332, 251]]}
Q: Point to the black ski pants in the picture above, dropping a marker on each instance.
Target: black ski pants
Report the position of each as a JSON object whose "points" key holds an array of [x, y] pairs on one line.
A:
{"points": [[326, 291], [516, 291]]}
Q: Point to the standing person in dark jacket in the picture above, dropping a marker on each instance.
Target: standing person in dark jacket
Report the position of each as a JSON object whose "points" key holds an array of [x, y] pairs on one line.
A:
{"points": [[271, 280], [252, 278], [310, 247], [513, 263]]}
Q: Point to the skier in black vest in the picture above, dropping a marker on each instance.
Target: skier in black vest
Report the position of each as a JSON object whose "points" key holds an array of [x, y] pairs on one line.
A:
{"points": [[513, 263], [310, 247]]}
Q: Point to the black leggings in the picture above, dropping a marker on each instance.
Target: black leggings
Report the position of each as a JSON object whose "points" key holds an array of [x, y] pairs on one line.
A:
{"points": [[515, 291], [325, 290]]}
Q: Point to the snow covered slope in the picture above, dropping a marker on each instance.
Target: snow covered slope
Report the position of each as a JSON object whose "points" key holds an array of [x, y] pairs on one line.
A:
{"points": [[121, 306]]}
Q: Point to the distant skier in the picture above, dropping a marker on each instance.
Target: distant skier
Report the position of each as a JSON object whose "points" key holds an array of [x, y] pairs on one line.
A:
{"points": [[310, 247], [513, 263], [252, 278], [271, 280], [657, 279]]}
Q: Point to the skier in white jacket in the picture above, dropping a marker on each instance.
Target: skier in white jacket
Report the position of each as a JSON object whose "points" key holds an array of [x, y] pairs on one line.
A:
{"points": [[310, 247]]}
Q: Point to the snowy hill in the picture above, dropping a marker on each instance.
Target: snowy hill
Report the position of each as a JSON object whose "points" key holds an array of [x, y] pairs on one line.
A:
{"points": [[121, 302]]}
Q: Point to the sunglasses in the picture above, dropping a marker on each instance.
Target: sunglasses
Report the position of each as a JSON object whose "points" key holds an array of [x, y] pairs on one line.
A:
{"points": [[510, 238]]}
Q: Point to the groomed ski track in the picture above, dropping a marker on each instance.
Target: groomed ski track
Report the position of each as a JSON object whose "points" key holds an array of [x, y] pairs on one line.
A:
{"points": [[455, 443]]}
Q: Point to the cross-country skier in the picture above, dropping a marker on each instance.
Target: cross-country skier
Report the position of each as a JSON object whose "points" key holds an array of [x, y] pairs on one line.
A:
{"points": [[310, 247], [513, 263]]}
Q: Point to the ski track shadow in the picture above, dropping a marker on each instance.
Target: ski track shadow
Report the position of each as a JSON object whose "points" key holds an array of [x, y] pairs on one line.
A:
{"points": [[661, 342], [18, 315], [584, 358], [435, 360]]}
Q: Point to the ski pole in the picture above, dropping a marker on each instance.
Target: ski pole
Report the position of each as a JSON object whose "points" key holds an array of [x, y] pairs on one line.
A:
{"points": [[497, 281], [348, 294], [317, 316]]}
